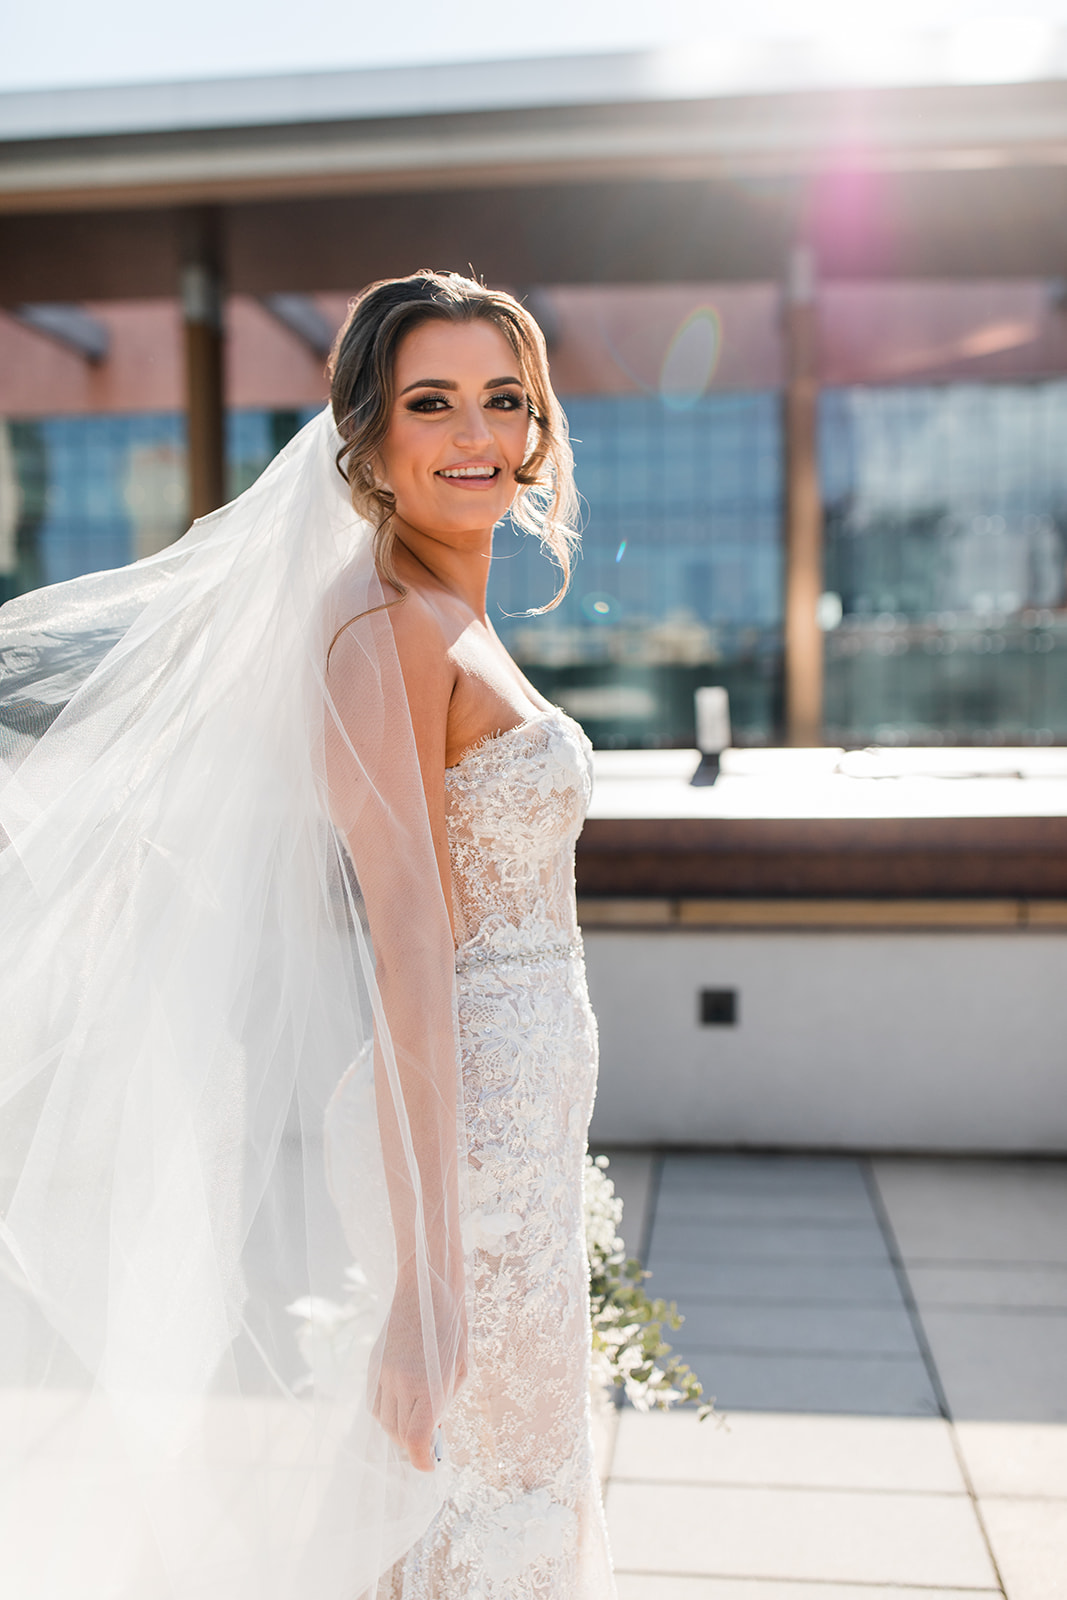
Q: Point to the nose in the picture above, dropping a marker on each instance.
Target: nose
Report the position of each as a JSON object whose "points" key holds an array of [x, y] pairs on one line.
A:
{"points": [[472, 425]]}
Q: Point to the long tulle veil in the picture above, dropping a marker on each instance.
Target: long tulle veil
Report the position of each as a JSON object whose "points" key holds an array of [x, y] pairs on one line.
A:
{"points": [[228, 1072]]}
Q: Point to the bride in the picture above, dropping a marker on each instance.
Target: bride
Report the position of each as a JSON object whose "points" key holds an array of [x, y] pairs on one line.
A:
{"points": [[299, 1060]]}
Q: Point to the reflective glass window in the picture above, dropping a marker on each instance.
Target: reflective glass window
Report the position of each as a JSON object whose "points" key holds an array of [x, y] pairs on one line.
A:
{"points": [[679, 579], [946, 540], [79, 494]]}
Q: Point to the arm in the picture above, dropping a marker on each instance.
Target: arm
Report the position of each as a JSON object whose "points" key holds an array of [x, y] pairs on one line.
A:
{"points": [[391, 682]]}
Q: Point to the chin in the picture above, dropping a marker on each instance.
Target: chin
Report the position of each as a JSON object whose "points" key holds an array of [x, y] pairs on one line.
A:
{"points": [[459, 522]]}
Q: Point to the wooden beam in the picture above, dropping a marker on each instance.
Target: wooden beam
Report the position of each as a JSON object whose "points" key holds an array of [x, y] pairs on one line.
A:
{"points": [[633, 232], [810, 915], [864, 858], [956, 224], [89, 255], [803, 510], [202, 297]]}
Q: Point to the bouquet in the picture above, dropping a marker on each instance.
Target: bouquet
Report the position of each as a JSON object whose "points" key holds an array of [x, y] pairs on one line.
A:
{"points": [[630, 1355]]}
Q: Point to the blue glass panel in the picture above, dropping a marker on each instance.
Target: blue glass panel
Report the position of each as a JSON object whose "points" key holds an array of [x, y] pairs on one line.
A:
{"points": [[690, 497], [695, 595], [946, 539], [100, 491]]}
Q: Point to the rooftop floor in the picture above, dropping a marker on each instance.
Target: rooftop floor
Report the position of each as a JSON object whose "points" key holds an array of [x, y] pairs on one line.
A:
{"points": [[886, 1340]]}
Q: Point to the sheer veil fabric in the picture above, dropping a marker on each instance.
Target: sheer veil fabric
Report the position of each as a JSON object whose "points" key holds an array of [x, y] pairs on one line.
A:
{"points": [[228, 1067]]}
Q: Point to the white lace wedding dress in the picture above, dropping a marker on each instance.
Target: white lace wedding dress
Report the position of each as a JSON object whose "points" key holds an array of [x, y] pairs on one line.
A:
{"points": [[523, 1520]]}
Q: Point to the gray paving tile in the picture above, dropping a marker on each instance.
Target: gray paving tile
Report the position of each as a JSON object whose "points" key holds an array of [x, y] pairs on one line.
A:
{"points": [[798, 1534], [789, 1451], [826, 1329], [1008, 1366], [982, 1211], [755, 1161], [1027, 1459], [775, 1206], [678, 1277], [659, 1586], [795, 1321], [875, 1385], [742, 1241], [1005, 1286], [1029, 1540], [799, 1175]]}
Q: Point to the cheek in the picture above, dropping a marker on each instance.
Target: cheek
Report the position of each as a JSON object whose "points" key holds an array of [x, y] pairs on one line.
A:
{"points": [[516, 440], [404, 455]]}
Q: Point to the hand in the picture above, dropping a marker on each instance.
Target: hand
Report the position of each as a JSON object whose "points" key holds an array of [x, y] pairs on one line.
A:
{"points": [[404, 1403]]}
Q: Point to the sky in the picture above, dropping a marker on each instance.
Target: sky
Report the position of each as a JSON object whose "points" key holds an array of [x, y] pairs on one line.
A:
{"points": [[70, 42]]}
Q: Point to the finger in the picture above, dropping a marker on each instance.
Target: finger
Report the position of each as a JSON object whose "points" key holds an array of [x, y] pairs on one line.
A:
{"points": [[422, 1457], [418, 1436]]}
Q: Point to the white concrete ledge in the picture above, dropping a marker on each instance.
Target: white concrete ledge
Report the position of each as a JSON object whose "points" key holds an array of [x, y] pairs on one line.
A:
{"points": [[826, 782]]}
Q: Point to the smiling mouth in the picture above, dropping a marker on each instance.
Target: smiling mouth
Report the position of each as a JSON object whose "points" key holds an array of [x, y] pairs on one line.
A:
{"points": [[484, 474]]}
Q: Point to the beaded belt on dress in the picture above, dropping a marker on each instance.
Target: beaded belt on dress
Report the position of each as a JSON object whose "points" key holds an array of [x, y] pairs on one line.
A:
{"points": [[480, 957]]}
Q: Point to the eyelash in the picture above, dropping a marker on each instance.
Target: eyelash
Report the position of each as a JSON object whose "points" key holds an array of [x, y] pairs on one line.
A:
{"points": [[427, 404]]}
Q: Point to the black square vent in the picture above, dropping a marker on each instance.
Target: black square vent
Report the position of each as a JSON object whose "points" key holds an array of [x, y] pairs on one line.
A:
{"points": [[718, 1008]]}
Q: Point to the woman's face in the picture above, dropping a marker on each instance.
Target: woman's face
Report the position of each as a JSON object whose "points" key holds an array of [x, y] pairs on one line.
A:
{"points": [[458, 429]]}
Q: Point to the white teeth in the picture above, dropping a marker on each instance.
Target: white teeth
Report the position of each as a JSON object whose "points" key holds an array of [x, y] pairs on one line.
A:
{"points": [[469, 472]]}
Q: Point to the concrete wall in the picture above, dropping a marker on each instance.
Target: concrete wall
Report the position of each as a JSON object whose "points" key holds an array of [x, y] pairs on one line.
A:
{"points": [[951, 1040]]}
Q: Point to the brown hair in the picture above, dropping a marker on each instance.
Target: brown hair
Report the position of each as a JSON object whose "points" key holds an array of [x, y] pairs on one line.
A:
{"points": [[361, 396]]}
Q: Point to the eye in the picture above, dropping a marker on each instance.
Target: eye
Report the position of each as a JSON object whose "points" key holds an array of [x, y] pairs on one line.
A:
{"points": [[506, 400], [429, 402]]}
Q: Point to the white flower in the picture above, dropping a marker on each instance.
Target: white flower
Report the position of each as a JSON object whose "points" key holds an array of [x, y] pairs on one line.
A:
{"points": [[603, 1213]]}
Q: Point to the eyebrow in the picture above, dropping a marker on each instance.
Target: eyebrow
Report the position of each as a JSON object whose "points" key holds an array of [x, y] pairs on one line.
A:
{"points": [[446, 383]]}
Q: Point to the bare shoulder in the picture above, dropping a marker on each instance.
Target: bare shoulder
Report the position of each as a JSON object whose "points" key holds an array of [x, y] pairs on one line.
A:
{"points": [[422, 647], [421, 639], [416, 623]]}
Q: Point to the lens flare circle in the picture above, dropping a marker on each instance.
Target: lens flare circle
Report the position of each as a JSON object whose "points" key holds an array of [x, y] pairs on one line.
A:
{"points": [[691, 358], [597, 607]]}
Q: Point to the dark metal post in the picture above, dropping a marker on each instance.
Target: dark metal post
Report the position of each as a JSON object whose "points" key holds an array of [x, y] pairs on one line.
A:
{"points": [[202, 294]]}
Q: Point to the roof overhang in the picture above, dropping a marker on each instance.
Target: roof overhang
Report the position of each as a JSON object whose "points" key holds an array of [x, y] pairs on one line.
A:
{"points": [[705, 70], [704, 114], [626, 168]]}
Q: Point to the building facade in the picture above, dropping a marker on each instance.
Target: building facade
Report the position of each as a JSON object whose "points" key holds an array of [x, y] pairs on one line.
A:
{"points": [[649, 220]]}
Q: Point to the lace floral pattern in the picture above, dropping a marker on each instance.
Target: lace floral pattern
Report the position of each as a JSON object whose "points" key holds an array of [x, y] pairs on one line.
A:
{"points": [[516, 804], [523, 1519]]}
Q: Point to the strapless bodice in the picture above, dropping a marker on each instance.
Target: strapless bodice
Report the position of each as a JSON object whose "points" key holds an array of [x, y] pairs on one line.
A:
{"points": [[515, 804]]}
